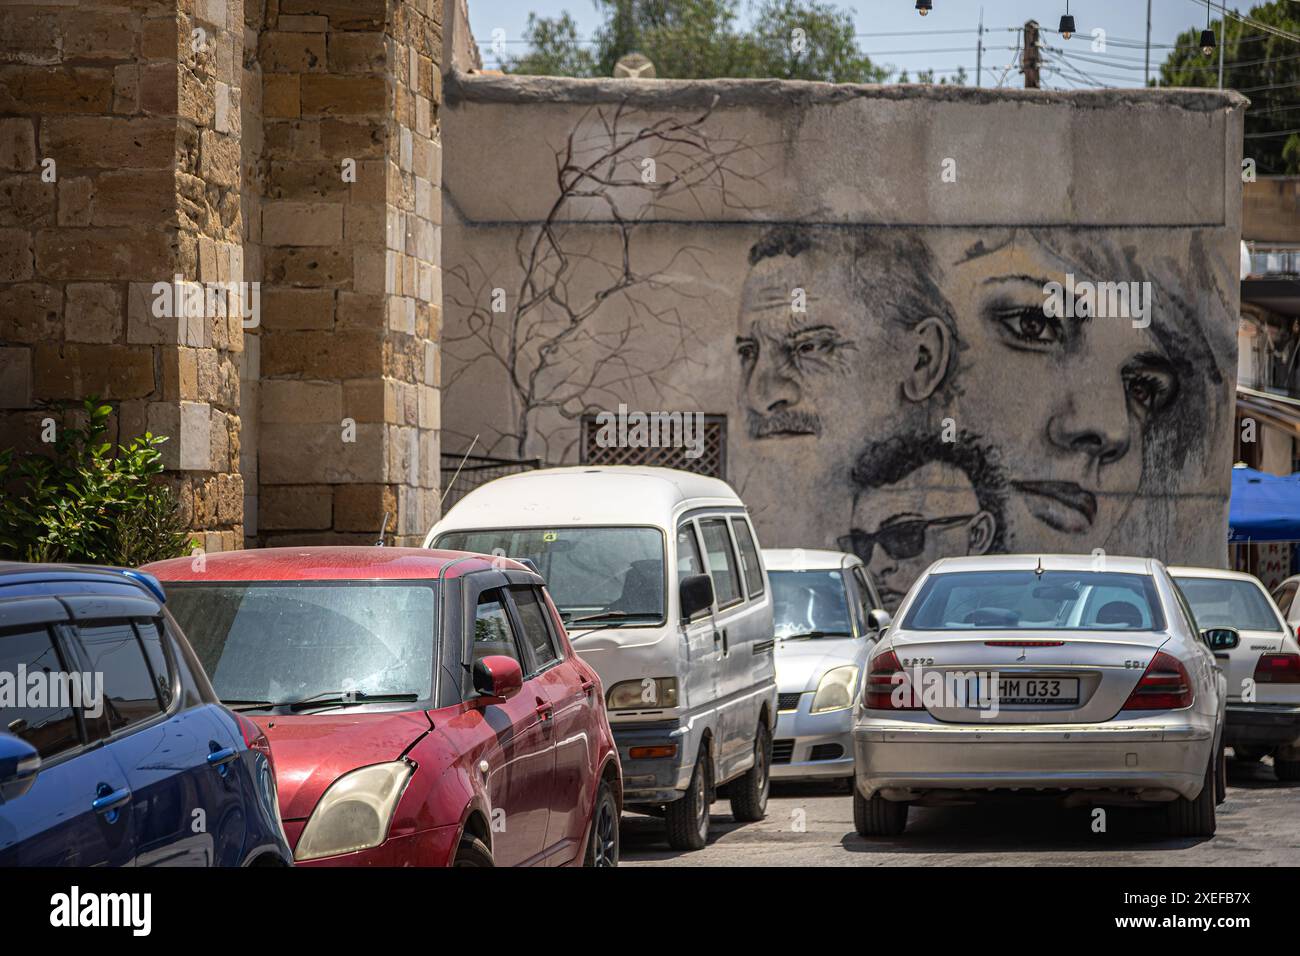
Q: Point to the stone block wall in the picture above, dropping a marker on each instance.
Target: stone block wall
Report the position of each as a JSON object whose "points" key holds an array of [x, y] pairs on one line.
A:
{"points": [[119, 169], [290, 143], [348, 409]]}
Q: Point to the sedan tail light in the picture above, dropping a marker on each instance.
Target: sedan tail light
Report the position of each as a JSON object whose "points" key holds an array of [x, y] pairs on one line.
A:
{"points": [[1165, 685], [1278, 669], [882, 678]]}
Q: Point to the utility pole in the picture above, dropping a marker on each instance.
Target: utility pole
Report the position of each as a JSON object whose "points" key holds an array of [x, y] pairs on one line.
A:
{"points": [[1147, 80], [1223, 41], [1029, 60], [979, 53]]}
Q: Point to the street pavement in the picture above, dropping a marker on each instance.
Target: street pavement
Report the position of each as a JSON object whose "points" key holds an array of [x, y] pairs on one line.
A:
{"points": [[812, 825]]}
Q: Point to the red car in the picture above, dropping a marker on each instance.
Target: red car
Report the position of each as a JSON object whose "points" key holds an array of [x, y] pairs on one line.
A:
{"points": [[424, 707]]}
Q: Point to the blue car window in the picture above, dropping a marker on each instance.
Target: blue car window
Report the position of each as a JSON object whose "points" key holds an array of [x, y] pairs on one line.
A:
{"points": [[30, 661], [129, 692], [152, 641]]}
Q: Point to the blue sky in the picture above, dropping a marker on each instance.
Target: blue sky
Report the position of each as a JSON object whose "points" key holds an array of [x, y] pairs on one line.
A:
{"points": [[1123, 20]]}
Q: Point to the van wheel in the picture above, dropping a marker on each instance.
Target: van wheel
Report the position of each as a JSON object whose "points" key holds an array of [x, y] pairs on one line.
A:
{"points": [[473, 852], [687, 818], [1194, 818], [602, 842], [878, 816], [749, 792], [1286, 770]]}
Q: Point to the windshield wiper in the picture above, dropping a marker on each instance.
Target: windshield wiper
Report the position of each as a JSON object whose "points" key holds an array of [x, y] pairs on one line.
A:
{"points": [[609, 616], [339, 698], [815, 635], [248, 704]]}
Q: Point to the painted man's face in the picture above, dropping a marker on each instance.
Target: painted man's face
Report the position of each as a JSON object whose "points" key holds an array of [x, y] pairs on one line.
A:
{"points": [[800, 370], [1066, 400], [899, 530]]}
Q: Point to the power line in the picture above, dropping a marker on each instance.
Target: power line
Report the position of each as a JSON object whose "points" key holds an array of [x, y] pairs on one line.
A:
{"points": [[1263, 27], [1285, 132]]}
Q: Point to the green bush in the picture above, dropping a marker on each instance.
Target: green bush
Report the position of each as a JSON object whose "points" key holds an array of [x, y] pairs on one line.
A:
{"points": [[89, 503]]}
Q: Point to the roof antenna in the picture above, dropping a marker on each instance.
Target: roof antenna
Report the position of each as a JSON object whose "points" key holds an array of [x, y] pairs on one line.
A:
{"points": [[1039, 570], [382, 529], [446, 491]]}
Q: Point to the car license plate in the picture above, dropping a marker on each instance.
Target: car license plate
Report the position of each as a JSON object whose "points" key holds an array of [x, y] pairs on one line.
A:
{"points": [[1038, 690]]}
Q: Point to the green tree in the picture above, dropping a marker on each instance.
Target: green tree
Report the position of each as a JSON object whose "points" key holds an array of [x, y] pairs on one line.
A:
{"points": [[89, 502], [700, 39], [1253, 58], [554, 49]]}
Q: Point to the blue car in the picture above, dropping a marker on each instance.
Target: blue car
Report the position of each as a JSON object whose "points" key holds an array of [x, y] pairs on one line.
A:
{"points": [[114, 751]]}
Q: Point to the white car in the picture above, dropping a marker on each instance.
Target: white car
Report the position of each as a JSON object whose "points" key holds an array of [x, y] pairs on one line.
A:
{"points": [[1263, 669], [827, 614], [1074, 676]]}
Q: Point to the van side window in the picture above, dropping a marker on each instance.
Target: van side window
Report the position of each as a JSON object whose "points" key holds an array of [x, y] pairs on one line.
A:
{"points": [[532, 617], [52, 727], [722, 563], [493, 635], [749, 561], [688, 553]]}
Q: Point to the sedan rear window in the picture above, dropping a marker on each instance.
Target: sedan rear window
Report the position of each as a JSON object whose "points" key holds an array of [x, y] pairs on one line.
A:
{"points": [[1218, 602], [1052, 600], [282, 642]]}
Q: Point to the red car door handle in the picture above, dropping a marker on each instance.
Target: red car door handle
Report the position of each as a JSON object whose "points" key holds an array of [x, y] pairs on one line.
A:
{"points": [[587, 685], [545, 711]]}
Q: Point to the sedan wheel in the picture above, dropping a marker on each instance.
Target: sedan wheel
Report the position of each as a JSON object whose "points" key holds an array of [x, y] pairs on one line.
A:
{"points": [[878, 816], [602, 844], [1195, 818]]}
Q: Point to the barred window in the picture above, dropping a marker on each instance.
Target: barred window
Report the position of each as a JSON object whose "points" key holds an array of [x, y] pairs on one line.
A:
{"points": [[712, 461]]}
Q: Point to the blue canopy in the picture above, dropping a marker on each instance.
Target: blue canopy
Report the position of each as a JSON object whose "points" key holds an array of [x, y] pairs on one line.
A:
{"points": [[1264, 507]]}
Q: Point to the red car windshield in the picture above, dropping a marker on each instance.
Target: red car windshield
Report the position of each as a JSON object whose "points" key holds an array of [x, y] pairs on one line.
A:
{"points": [[283, 642]]}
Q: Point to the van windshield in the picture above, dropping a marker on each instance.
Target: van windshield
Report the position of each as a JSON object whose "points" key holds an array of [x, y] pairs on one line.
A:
{"points": [[606, 574]]}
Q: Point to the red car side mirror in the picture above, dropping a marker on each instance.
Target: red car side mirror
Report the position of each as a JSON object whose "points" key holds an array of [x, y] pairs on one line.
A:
{"points": [[497, 678]]}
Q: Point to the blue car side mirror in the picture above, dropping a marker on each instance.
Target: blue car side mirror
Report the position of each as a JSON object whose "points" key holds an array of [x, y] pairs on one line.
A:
{"points": [[19, 764]]}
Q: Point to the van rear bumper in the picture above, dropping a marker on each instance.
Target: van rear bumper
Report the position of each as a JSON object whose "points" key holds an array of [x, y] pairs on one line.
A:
{"points": [[654, 780]]}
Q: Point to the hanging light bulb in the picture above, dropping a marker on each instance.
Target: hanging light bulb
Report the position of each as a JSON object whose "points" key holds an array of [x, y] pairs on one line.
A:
{"points": [[1066, 28], [924, 6], [1207, 35]]}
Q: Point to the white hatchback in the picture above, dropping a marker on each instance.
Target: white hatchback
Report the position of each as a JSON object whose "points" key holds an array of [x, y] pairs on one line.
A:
{"points": [[1263, 669]]}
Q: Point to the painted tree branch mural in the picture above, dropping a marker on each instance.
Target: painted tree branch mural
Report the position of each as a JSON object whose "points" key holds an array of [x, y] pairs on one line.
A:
{"points": [[575, 331]]}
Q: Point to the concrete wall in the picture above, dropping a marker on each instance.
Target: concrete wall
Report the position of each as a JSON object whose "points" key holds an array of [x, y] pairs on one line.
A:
{"points": [[854, 277], [1271, 210]]}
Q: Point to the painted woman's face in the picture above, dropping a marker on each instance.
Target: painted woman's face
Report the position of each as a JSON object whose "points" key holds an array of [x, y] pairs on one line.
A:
{"points": [[1065, 399]]}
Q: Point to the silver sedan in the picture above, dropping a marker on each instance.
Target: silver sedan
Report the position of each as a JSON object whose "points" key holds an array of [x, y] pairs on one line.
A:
{"points": [[1075, 676]]}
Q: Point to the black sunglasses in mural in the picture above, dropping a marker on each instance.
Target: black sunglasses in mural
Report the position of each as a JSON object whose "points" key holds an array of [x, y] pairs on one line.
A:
{"points": [[900, 541]]}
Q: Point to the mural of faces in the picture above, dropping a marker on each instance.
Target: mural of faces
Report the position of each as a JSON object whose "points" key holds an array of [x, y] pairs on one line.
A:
{"points": [[1066, 400], [1058, 424]]}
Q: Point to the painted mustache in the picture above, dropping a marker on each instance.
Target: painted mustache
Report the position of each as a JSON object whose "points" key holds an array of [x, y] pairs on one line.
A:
{"points": [[1061, 505], [785, 422]]}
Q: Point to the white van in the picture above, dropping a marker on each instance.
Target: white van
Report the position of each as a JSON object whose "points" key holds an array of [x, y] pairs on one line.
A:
{"points": [[661, 585]]}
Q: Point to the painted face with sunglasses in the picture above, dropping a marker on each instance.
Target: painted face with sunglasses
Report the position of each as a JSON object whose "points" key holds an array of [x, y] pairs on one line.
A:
{"points": [[900, 529]]}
